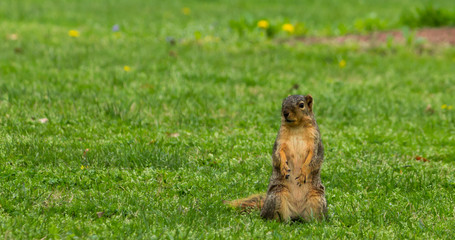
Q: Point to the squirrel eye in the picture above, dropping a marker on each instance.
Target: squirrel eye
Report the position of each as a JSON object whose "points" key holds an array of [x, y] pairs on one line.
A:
{"points": [[301, 105]]}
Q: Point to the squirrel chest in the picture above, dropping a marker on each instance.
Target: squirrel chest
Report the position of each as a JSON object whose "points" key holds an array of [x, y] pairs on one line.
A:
{"points": [[299, 141]]}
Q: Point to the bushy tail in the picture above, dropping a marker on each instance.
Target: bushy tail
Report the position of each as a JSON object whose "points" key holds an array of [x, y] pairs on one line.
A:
{"points": [[255, 201]]}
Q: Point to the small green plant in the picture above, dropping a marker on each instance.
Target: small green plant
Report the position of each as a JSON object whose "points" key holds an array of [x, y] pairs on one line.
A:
{"points": [[341, 29], [370, 23], [409, 36], [242, 26], [428, 16], [300, 29], [268, 29]]}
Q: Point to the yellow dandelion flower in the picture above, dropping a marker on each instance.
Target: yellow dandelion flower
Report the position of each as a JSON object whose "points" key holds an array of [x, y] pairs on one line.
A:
{"points": [[186, 11], [449, 107], [342, 63], [263, 24], [73, 33], [288, 28], [444, 106], [127, 68], [82, 167]]}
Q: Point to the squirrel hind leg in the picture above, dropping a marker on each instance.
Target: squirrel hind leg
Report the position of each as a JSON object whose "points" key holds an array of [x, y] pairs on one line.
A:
{"points": [[276, 207], [316, 209]]}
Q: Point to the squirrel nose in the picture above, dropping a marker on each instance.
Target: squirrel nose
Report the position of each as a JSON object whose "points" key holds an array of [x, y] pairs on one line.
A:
{"points": [[286, 114]]}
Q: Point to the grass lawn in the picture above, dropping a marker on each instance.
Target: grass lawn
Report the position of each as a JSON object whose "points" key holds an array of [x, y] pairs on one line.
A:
{"points": [[143, 132]]}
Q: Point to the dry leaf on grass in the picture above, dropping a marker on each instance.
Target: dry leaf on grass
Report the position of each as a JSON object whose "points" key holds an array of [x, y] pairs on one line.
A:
{"points": [[419, 158], [429, 109], [173, 134], [85, 153], [43, 120], [12, 36]]}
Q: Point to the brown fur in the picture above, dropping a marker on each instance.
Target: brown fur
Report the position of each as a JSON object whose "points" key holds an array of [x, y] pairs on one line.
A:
{"points": [[295, 190], [249, 203]]}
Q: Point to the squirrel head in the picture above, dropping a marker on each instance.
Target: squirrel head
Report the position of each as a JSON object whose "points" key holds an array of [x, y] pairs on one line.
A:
{"points": [[297, 110]]}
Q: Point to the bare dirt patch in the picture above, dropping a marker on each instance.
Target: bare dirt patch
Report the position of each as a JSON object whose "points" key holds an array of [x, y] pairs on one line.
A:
{"points": [[433, 36]]}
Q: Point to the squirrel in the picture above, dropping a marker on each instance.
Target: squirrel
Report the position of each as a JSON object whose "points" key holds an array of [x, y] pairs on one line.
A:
{"points": [[295, 191]]}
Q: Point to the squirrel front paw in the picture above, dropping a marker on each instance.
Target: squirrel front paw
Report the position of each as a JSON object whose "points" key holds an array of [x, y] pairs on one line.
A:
{"points": [[285, 170], [303, 177]]}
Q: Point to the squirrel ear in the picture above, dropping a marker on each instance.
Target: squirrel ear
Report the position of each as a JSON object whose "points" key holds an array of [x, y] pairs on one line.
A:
{"points": [[309, 101]]}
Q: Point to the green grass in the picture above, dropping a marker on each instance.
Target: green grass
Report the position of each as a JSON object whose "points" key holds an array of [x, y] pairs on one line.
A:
{"points": [[193, 124]]}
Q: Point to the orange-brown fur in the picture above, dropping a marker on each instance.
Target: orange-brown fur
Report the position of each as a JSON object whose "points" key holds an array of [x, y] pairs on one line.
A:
{"points": [[295, 190], [251, 202]]}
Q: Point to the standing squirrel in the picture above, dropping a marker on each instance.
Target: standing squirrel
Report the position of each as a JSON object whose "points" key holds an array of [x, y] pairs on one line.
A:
{"points": [[295, 190]]}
